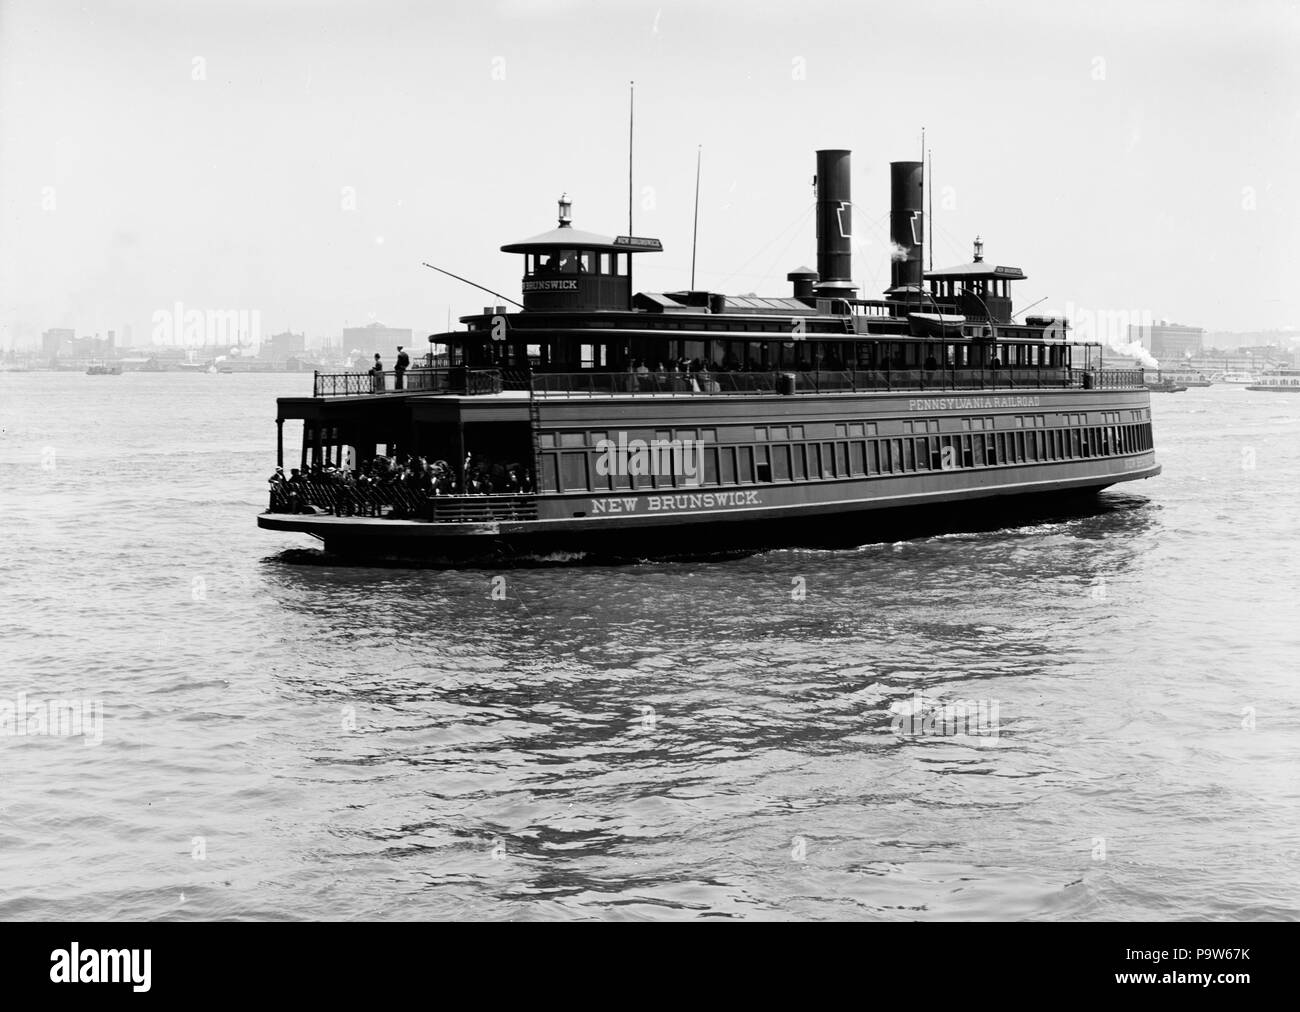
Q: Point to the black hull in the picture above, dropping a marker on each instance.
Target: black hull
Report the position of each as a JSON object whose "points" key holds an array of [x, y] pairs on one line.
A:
{"points": [[709, 539]]}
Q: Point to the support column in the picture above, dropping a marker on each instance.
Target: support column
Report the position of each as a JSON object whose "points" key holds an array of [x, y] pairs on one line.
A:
{"points": [[460, 445], [279, 442]]}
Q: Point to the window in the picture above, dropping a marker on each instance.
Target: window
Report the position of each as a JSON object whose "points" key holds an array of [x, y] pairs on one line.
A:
{"points": [[828, 460], [745, 466], [780, 463], [573, 468], [797, 461], [922, 454], [857, 457], [727, 465]]}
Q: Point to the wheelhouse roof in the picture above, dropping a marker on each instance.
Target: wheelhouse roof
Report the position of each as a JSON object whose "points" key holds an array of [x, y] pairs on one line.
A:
{"points": [[567, 237]]}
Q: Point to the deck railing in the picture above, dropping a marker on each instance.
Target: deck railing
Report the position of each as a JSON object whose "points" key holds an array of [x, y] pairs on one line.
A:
{"points": [[397, 501], [419, 380], [695, 384], [703, 383]]}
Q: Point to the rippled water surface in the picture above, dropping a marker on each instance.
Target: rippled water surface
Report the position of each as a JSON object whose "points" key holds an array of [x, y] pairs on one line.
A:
{"points": [[285, 739]]}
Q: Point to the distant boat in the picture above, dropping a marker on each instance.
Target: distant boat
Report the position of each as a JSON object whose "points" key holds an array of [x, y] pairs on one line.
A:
{"points": [[1285, 382], [104, 370], [1164, 385], [1237, 379], [1186, 378]]}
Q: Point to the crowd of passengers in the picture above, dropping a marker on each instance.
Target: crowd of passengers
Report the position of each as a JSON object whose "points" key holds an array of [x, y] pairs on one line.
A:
{"points": [[384, 478]]}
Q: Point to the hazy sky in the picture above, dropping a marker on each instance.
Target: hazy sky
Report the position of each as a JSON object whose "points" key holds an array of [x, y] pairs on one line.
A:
{"points": [[1139, 156]]}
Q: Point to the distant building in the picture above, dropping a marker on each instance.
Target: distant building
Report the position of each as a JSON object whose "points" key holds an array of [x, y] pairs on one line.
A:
{"points": [[282, 347], [1171, 342], [58, 341], [375, 337], [1227, 340]]}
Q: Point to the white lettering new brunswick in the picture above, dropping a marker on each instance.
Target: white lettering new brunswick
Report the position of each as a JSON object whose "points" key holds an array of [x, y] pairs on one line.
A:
{"points": [[970, 403], [662, 503]]}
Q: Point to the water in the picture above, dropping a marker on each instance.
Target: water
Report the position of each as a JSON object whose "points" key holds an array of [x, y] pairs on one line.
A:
{"points": [[681, 740]]}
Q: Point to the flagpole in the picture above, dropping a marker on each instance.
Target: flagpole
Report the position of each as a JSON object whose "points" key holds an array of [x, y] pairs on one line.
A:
{"points": [[695, 231]]}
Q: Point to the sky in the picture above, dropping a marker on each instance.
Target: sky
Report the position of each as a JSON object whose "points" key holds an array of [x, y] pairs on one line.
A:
{"points": [[301, 159]]}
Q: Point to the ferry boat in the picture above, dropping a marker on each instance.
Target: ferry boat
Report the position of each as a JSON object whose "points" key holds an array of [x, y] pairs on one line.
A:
{"points": [[1237, 379], [598, 418], [103, 369], [1284, 381], [1185, 378]]}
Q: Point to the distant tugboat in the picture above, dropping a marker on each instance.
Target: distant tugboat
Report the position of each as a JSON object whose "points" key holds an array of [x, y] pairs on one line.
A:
{"points": [[1164, 385], [102, 369], [598, 418]]}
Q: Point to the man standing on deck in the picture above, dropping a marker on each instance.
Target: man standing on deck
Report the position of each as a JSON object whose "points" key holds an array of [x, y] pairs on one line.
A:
{"points": [[377, 375], [399, 368]]}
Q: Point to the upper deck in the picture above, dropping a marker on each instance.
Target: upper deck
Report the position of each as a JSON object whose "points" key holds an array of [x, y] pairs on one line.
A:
{"points": [[703, 383]]}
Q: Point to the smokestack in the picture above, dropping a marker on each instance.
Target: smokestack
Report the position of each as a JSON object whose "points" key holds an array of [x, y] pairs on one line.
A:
{"points": [[834, 226], [905, 225]]}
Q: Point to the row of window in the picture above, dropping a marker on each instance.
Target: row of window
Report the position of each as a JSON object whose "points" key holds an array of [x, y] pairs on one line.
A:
{"points": [[819, 430], [723, 464]]}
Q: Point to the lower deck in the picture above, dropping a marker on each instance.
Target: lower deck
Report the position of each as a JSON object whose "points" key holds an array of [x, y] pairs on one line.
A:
{"points": [[623, 464]]}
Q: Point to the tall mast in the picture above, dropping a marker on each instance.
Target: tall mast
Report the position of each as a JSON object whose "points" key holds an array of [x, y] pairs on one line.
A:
{"points": [[631, 113], [930, 215], [920, 280], [695, 231]]}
